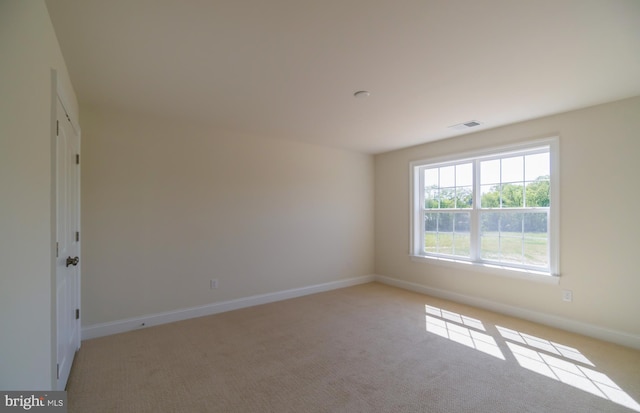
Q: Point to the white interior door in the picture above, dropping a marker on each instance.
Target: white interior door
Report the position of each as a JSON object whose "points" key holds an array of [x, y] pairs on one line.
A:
{"points": [[68, 244]]}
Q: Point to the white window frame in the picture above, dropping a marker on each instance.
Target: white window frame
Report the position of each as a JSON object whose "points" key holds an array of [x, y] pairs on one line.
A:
{"points": [[474, 262]]}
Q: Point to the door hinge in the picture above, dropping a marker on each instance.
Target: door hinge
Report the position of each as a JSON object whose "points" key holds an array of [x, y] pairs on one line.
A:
{"points": [[77, 159], [77, 236], [58, 370], [77, 313], [57, 249], [57, 128]]}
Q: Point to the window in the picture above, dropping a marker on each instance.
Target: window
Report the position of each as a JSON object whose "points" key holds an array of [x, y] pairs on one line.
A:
{"points": [[495, 208]]}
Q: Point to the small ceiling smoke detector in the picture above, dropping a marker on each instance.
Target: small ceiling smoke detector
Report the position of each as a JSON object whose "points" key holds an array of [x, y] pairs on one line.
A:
{"points": [[362, 94], [466, 125]]}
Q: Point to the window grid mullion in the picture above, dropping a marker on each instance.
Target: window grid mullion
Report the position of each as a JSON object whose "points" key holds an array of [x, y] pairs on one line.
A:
{"points": [[438, 225], [475, 214], [522, 236], [421, 200]]}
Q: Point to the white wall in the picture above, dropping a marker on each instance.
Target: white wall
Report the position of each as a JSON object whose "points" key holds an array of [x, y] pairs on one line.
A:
{"points": [[168, 206], [28, 50], [600, 229]]}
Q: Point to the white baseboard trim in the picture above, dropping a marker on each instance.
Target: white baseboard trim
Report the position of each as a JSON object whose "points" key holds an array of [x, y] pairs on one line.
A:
{"points": [[573, 326], [121, 326]]}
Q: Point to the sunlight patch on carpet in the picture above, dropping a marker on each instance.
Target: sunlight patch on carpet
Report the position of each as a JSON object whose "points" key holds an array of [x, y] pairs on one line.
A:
{"points": [[570, 369], [553, 360], [461, 329]]}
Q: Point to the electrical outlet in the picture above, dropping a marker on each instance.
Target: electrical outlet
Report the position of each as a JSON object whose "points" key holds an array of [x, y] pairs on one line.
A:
{"points": [[214, 284], [567, 295]]}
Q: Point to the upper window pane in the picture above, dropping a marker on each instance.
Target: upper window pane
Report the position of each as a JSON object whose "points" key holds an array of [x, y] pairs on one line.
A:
{"points": [[449, 186], [490, 196], [448, 198], [536, 166], [512, 195], [537, 193], [515, 181], [431, 198], [431, 177], [447, 177], [464, 197], [490, 172], [513, 169], [464, 174]]}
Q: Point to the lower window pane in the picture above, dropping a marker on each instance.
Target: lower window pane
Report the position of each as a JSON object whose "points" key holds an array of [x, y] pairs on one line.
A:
{"points": [[447, 233], [431, 233], [511, 224], [536, 250], [490, 236], [461, 235], [462, 245], [501, 236], [431, 222], [431, 242], [511, 248], [535, 223], [490, 223], [445, 243], [490, 246], [515, 237]]}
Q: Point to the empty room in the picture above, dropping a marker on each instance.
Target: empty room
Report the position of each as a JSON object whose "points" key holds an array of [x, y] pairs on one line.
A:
{"points": [[331, 206]]}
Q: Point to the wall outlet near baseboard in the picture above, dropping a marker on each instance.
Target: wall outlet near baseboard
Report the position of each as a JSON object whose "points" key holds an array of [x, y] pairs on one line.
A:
{"points": [[214, 284], [567, 295]]}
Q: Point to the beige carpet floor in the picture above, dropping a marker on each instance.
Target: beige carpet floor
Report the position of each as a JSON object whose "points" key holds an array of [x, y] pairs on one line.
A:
{"points": [[368, 348]]}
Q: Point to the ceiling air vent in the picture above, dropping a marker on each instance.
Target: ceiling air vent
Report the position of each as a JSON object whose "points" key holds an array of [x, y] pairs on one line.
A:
{"points": [[466, 125]]}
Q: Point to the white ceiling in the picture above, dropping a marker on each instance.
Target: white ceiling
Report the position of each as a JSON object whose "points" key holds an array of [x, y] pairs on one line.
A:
{"points": [[289, 68]]}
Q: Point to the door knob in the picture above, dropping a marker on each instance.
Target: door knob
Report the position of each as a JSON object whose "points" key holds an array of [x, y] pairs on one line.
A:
{"points": [[73, 261]]}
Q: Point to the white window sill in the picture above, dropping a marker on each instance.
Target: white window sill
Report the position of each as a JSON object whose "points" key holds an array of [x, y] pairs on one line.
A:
{"points": [[523, 274]]}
